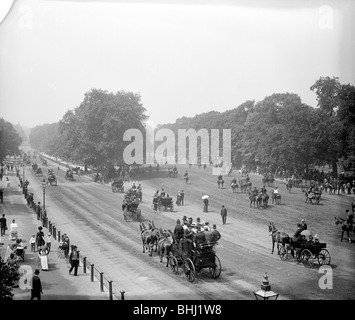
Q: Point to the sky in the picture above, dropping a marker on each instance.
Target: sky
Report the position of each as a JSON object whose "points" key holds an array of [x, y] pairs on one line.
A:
{"points": [[183, 57]]}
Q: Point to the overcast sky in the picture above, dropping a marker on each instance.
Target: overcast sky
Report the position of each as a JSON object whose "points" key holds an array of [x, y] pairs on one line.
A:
{"points": [[184, 57]]}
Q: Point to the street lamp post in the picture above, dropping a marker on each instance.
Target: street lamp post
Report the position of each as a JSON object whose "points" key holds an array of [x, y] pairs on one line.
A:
{"points": [[44, 193], [266, 293]]}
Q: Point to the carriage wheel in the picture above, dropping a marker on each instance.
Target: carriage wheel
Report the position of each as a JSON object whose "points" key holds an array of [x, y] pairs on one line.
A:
{"points": [[216, 271], [173, 264], [324, 257], [283, 253], [189, 270], [307, 257]]}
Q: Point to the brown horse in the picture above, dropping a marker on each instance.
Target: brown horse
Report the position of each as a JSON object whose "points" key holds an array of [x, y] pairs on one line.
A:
{"points": [[165, 242], [155, 234], [345, 227], [278, 237], [147, 238]]}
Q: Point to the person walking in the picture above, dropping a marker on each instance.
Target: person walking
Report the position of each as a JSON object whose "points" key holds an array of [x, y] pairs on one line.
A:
{"points": [[182, 195], [49, 242], [74, 260], [39, 238], [33, 243], [36, 290], [43, 257], [205, 205], [3, 225], [224, 214]]}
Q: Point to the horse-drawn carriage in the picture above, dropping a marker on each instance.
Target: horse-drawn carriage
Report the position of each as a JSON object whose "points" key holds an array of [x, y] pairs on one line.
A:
{"points": [[117, 186], [69, 175], [39, 172], [131, 211], [51, 177], [194, 259], [306, 252], [34, 167], [163, 202]]}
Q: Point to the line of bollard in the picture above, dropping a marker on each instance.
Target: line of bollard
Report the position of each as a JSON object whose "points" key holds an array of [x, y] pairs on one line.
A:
{"points": [[110, 290], [122, 295], [92, 273], [101, 281], [84, 265]]}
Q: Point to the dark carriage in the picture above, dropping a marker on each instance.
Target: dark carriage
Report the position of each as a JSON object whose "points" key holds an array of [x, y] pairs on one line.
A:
{"points": [[34, 167], [306, 252], [117, 186], [166, 204], [69, 175], [39, 172], [52, 180], [131, 211], [194, 259]]}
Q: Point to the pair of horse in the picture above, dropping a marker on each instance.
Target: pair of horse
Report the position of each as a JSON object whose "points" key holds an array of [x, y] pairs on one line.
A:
{"points": [[160, 238], [260, 199]]}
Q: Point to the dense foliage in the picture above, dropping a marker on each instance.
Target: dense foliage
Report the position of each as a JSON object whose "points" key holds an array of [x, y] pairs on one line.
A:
{"points": [[93, 132], [9, 140]]}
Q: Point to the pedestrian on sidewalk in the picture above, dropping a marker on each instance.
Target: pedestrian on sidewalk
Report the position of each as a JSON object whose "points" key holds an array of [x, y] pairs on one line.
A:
{"points": [[36, 290], [38, 210], [49, 242], [8, 183], [43, 257], [224, 214], [3, 225], [33, 243], [74, 260], [40, 238]]}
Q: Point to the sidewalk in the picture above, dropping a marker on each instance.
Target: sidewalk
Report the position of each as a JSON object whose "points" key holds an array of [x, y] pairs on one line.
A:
{"points": [[57, 284]]}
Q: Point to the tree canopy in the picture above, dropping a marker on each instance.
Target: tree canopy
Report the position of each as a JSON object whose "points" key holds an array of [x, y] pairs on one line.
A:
{"points": [[9, 140]]}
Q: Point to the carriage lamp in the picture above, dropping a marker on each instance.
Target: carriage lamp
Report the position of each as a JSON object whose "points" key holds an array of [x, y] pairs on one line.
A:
{"points": [[44, 193], [266, 293]]}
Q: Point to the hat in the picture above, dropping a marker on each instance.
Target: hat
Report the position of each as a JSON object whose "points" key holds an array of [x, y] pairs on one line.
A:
{"points": [[49, 234], [37, 271], [33, 234], [302, 220], [316, 237], [214, 226], [205, 228]]}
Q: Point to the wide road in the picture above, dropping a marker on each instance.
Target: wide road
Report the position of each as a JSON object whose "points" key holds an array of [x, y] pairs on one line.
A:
{"points": [[90, 213]]}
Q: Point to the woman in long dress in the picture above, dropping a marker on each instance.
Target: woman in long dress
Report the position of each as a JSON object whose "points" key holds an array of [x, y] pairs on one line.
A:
{"points": [[43, 257]]}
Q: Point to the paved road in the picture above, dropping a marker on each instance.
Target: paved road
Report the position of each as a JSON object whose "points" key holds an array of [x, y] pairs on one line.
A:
{"points": [[90, 213]]}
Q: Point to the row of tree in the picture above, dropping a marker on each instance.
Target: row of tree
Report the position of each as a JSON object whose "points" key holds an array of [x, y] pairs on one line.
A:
{"points": [[278, 133], [10, 140]]}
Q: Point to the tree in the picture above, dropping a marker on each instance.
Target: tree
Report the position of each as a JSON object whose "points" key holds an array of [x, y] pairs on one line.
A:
{"points": [[9, 140]]}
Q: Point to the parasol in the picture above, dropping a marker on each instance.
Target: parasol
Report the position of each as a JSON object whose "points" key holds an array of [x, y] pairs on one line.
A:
{"points": [[306, 233], [205, 197]]}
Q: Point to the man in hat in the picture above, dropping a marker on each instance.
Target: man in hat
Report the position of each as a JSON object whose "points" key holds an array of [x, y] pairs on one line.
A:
{"points": [[224, 214], [36, 290]]}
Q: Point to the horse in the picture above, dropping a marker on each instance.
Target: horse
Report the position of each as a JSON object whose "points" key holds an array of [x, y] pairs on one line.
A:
{"points": [[278, 237], [276, 197], [165, 241], [147, 238], [289, 186], [345, 227], [252, 198], [234, 186], [155, 234]]}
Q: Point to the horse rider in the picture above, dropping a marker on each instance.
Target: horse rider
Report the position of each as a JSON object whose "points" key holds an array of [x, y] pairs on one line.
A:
{"points": [[255, 192]]}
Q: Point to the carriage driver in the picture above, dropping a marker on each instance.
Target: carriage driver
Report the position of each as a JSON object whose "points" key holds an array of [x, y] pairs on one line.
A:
{"points": [[178, 231]]}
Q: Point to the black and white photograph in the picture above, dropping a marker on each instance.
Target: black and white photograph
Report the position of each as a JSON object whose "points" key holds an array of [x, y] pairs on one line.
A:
{"points": [[178, 155]]}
